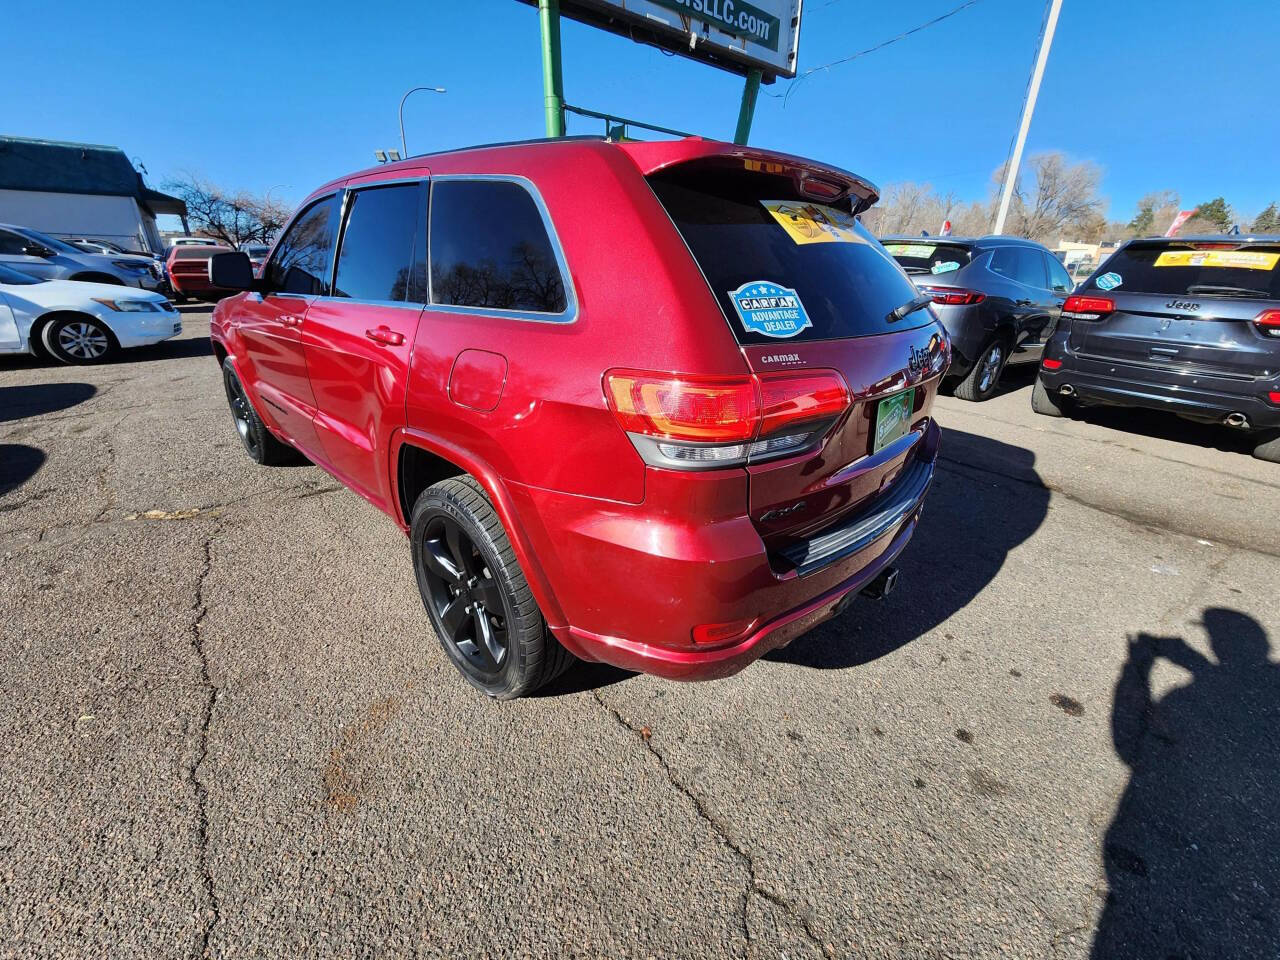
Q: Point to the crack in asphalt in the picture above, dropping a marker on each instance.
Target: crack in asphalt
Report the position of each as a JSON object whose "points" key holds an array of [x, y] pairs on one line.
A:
{"points": [[309, 489], [755, 884], [950, 463], [201, 609]]}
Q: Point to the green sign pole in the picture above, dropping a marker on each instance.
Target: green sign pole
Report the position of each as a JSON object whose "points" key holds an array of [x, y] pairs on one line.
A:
{"points": [[552, 78], [749, 92]]}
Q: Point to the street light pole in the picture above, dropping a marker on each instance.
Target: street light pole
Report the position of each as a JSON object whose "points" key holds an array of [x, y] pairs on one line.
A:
{"points": [[404, 151], [1011, 175]]}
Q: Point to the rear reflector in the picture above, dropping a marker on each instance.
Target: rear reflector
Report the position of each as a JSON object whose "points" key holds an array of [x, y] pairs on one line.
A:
{"points": [[952, 296], [1051, 364], [1268, 321], [1274, 396], [721, 633], [1087, 308]]}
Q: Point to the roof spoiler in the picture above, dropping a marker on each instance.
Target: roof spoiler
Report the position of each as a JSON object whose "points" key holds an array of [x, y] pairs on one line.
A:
{"points": [[819, 181]]}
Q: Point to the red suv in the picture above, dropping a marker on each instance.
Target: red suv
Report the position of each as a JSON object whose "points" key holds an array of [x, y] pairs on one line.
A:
{"points": [[663, 405]]}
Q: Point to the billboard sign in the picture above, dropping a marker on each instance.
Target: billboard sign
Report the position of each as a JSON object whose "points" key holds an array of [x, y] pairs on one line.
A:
{"points": [[736, 35]]}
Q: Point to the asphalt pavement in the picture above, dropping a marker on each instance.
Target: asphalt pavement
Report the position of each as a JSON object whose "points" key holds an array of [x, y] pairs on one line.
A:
{"points": [[227, 729]]}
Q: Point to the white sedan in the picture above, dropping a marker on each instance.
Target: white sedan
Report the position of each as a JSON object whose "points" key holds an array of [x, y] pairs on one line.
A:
{"points": [[79, 322]]}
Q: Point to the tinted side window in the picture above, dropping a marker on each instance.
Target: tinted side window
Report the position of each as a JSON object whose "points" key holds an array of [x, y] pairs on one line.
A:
{"points": [[303, 255], [490, 248], [1059, 279], [377, 251], [1019, 263], [11, 244]]}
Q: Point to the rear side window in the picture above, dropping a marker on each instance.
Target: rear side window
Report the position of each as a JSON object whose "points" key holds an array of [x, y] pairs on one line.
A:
{"points": [[1059, 279], [1024, 264], [792, 270], [304, 254], [377, 251], [1175, 269], [922, 256], [490, 248]]}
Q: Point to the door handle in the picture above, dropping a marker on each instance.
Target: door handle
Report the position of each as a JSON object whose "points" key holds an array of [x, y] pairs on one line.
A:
{"points": [[289, 320], [385, 336]]}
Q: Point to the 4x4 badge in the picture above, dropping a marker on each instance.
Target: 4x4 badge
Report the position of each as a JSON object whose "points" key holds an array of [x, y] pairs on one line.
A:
{"points": [[765, 307]]}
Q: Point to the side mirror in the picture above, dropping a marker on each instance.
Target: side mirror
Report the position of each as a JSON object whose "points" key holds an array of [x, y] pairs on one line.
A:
{"points": [[231, 271], [37, 250]]}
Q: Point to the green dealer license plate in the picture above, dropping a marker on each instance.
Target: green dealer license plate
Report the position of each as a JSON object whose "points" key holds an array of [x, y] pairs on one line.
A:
{"points": [[893, 416]]}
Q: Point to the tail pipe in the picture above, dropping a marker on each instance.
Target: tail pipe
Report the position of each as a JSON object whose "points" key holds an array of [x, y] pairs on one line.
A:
{"points": [[1067, 390], [1237, 420]]}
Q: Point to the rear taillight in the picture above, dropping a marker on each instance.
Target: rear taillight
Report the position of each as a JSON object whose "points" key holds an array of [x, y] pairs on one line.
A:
{"points": [[1268, 321], [952, 296], [1087, 308], [699, 422]]}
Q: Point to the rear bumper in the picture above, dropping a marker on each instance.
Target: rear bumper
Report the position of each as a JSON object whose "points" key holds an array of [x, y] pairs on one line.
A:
{"points": [[634, 580], [1195, 395]]}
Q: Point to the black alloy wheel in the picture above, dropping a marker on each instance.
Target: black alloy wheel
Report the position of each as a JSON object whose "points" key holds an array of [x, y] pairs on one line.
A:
{"points": [[242, 414], [465, 597]]}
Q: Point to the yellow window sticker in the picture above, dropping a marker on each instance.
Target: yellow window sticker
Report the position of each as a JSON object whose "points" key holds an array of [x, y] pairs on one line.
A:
{"points": [[922, 251], [1238, 259], [813, 222]]}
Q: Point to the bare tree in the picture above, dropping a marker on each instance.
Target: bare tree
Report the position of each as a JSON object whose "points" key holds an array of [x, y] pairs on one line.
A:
{"points": [[1064, 197], [234, 218]]}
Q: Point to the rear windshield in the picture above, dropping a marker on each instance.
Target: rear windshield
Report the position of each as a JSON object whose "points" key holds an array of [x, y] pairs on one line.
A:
{"points": [[783, 267], [923, 256], [1193, 268]]}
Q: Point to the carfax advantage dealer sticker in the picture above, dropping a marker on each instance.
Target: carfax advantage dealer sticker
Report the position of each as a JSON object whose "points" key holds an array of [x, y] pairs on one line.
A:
{"points": [[771, 309]]}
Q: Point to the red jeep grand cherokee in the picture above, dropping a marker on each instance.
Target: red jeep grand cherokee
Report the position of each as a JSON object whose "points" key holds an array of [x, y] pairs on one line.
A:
{"points": [[663, 405]]}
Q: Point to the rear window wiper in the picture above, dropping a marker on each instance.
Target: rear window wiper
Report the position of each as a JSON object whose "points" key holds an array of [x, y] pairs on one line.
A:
{"points": [[1219, 291], [911, 306]]}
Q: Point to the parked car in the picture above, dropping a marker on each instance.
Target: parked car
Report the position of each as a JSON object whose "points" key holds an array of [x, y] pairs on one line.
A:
{"points": [[257, 253], [188, 270], [193, 242], [999, 298], [673, 467], [94, 245], [1188, 325], [79, 322], [48, 258]]}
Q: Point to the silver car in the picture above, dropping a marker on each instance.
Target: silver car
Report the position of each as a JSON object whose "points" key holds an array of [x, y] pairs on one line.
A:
{"points": [[48, 258]]}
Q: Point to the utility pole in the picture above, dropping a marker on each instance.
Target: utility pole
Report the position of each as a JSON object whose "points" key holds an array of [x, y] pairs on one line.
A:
{"points": [[552, 78], [1011, 175]]}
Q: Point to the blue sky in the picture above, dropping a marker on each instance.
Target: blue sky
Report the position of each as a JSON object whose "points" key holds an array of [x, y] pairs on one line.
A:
{"points": [[282, 96]]}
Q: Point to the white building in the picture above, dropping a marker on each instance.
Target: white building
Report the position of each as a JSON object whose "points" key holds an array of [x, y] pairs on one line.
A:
{"points": [[80, 190]]}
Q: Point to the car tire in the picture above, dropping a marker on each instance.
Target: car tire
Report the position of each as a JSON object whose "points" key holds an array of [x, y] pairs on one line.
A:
{"points": [[259, 442], [465, 567], [982, 380], [1268, 448], [78, 338], [1046, 404]]}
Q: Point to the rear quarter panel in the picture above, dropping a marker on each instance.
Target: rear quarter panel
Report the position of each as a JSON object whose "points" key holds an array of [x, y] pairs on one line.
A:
{"points": [[641, 302]]}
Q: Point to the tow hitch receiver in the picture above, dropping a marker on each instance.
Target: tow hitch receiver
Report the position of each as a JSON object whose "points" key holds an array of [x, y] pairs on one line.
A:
{"points": [[882, 585]]}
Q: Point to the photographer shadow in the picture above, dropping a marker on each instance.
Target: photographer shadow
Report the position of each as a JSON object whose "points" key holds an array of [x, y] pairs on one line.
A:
{"points": [[1193, 853]]}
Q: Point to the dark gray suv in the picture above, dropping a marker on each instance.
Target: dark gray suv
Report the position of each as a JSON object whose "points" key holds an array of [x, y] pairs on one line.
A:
{"points": [[998, 297], [1190, 325]]}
